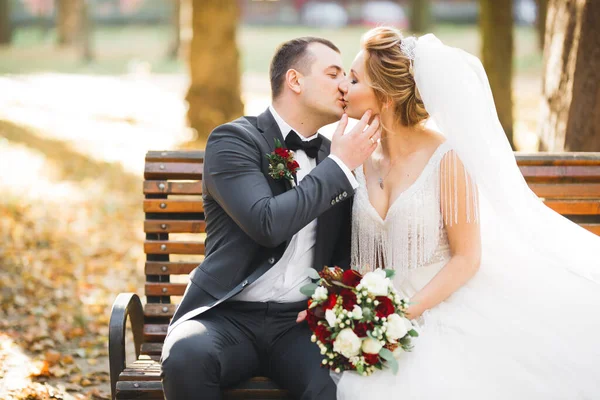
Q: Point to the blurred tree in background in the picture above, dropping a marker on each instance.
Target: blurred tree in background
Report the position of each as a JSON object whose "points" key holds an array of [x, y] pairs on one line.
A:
{"points": [[420, 16], [570, 115], [86, 29], [175, 44], [68, 15], [5, 23], [542, 12], [496, 25], [214, 96], [74, 26]]}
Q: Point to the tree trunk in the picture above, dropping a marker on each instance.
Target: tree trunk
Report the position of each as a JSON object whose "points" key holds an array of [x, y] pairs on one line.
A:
{"points": [[5, 22], [420, 16], [214, 95], [86, 28], [173, 52], [496, 25], [542, 12], [570, 115], [68, 14]]}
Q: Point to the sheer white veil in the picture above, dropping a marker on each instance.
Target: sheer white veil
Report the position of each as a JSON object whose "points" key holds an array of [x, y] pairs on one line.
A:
{"points": [[455, 90]]}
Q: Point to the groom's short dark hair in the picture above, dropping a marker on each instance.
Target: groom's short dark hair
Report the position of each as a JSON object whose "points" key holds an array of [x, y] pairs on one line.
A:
{"points": [[293, 54]]}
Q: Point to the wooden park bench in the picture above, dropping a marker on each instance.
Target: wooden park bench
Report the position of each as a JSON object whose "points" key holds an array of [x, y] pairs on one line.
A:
{"points": [[175, 230]]}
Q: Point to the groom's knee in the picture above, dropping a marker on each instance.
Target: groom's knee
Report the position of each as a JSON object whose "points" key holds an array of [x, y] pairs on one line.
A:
{"points": [[188, 355]]}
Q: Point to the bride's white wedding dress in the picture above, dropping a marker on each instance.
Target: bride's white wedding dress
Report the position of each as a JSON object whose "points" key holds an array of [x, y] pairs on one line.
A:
{"points": [[522, 328]]}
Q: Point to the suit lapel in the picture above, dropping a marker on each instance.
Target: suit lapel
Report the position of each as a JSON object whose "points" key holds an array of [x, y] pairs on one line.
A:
{"points": [[323, 219], [323, 152], [269, 129]]}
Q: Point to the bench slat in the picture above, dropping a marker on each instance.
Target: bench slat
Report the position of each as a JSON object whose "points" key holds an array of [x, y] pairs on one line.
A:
{"points": [[173, 206], [571, 158], [173, 170], [169, 247], [166, 187], [152, 348], [170, 268], [575, 207], [594, 228], [175, 156], [155, 332], [139, 389], [567, 190], [159, 310], [171, 226], [165, 289], [574, 174]]}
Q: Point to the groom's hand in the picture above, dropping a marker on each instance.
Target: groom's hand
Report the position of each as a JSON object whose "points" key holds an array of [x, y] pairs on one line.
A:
{"points": [[355, 146], [301, 316]]}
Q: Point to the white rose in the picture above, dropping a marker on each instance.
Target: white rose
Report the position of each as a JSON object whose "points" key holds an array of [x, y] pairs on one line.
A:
{"points": [[331, 318], [371, 346], [409, 325], [347, 343], [320, 294], [357, 312], [376, 283], [396, 327]]}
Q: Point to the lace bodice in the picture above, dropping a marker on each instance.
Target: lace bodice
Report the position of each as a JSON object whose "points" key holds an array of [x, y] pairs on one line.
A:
{"points": [[412, 235]]}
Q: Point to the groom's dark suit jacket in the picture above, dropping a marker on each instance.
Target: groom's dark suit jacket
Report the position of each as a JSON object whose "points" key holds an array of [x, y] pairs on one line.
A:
{"points": [[251, 217]]}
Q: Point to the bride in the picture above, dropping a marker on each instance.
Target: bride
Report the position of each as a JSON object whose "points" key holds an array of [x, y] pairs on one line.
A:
{"points": [[505, 291]]}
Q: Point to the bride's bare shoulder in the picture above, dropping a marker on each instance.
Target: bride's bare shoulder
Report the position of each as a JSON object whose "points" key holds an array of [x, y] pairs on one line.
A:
{"points": [[433, 139]]}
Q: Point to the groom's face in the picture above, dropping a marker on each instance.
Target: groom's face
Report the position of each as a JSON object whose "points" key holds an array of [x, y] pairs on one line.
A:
{"points": [[321, 93]]}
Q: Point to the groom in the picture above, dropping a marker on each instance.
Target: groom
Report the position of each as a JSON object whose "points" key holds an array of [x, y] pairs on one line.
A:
{"points": [[238, 315]]}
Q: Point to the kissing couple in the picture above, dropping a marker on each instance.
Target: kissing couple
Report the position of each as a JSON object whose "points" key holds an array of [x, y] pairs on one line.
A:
{"points": [[505, 291]]}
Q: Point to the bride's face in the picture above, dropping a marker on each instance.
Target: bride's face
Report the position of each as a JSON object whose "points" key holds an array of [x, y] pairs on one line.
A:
{"points": [[359, 96]]}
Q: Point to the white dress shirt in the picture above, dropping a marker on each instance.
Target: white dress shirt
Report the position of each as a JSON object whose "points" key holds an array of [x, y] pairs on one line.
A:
{"points": [[283, 281]]}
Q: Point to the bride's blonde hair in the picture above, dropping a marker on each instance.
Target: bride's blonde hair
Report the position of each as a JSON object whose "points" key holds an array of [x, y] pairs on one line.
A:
{"points": [[391, 76]]}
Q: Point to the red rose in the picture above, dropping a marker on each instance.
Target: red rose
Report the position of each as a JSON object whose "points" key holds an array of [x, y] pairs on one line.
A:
{"points": [[348, 299], [292, 166], [371, 359], [281, 152], [330, 302], [322, 333], [385, 307], [351, 278], [362, 328]]}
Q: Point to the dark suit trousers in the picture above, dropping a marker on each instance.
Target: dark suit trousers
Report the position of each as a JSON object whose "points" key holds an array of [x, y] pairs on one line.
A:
{"points": [[237, 340]]}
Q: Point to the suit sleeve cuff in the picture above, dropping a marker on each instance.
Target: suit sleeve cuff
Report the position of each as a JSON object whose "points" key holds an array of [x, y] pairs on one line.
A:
{"points": [[346, 170]]}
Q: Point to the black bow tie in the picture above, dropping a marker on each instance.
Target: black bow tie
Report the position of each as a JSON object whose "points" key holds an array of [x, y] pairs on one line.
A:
{"points": [[310, 147]]}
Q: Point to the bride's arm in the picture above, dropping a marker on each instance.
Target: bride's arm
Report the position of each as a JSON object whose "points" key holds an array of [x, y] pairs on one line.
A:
{"points": [[459, 205]]}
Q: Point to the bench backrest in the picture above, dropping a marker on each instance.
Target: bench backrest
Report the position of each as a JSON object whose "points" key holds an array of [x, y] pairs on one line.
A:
{"points": [[175, 232], [569, 183], [175, 225]]}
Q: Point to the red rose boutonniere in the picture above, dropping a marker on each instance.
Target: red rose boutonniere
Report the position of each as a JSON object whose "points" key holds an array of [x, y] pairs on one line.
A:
{"points": [[282, 163]]}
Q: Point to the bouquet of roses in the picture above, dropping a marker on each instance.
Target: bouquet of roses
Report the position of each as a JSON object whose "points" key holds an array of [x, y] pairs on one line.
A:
{"points": [[358, 321]]}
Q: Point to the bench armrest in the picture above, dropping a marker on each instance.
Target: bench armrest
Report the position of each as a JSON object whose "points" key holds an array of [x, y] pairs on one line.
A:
{"points": [[125, 304]]}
